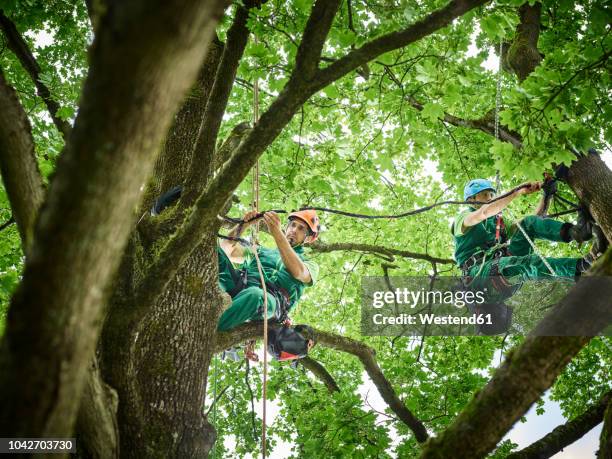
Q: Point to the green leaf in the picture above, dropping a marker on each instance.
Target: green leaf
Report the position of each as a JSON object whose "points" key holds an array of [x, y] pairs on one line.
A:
{"points": [[432, 111]]}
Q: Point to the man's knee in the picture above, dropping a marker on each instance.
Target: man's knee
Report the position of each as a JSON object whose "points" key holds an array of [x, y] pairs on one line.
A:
{"points": [[529, 221]]}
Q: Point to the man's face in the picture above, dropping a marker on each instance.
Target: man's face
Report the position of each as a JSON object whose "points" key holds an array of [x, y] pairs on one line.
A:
{"points": [[483, 196], [297, 231]]}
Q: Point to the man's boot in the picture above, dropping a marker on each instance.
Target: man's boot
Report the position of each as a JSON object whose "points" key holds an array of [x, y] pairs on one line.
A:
{"points": [[584, 264], [600, 242], [583, 229]]}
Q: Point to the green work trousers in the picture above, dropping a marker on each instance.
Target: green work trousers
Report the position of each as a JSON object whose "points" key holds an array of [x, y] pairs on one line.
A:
{"points": [[247, 304], [522, 264]]}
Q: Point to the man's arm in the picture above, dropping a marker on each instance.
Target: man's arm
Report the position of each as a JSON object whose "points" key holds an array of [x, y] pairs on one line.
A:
{"points": [[232, 248], [292, 262], [488, 210], [542, 206]]}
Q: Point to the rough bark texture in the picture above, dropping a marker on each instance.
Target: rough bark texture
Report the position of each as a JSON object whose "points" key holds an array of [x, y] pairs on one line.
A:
{"points": [[202, 159], [605, 438], [565, 434], [591, 180], [20, 173], [522, 56], [175, 157], [155, 354], [528, 370], [97, 428], [143, 59]]}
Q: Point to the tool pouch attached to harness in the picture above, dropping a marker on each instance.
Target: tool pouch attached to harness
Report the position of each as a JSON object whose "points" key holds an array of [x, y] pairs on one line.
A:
{"points": [[498, 318], [289, 343]]}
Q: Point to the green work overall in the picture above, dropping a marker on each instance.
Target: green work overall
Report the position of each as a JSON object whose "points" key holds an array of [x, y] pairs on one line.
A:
{"points": [[248, 303], [521, 264]]}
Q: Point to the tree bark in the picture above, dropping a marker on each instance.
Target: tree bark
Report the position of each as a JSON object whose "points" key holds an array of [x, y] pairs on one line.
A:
{"points": [[97, 429], [155, 355], [363, 352], [20, 173], [142, 60], [591, 180], [605, 438], [522, 56], [320, 372]]}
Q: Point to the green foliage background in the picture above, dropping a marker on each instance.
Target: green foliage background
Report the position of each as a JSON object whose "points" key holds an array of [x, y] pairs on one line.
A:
{"points": [[360, 146]]}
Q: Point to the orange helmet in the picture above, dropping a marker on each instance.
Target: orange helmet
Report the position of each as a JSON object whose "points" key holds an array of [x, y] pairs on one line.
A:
{"points": [[309, 217]]}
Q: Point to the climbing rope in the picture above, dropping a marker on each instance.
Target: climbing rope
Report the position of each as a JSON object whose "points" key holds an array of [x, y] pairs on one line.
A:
{"points": [[214, 414], [239, 221], [498, 107], [255, 230], [533, 247]]}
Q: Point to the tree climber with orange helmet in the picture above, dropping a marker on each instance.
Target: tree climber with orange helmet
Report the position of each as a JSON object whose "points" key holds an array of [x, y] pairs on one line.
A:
{"points": [[286, 269]]}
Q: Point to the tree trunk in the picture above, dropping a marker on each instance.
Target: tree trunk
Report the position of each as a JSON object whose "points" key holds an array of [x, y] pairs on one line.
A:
{"points": [[591, 180], [158, 361], [143, 59]]}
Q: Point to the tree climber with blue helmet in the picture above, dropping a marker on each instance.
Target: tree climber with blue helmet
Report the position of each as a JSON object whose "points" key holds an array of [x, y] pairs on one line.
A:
{"points": [[488, 247], [287, 271]]}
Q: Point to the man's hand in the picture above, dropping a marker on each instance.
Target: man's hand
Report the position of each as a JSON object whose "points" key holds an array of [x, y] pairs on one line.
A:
{"points": [[529, 187], [248, 218], [273, 222]]}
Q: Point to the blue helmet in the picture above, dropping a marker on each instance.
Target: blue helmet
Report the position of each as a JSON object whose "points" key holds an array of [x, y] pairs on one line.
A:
{"points": [[475, 186]]}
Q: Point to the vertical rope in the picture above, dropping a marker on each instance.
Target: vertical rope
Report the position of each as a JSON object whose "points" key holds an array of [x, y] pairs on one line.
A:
{"points": [[498, 107], [214, 420], [255, 194]]}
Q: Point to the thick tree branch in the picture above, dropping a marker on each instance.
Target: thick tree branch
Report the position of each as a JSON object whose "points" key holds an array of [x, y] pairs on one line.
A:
{"points": [[605, 438], [394, 40], [320, 372], [565, 434], [485, 124], [20, 173], [56, 314], [97, 427], [387, 252], [522, 56], [202, 162], [529, 369], [315, 33], [364, 353], [17, 44]]}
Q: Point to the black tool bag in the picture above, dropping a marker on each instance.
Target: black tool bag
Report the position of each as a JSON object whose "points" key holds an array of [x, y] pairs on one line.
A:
{"points": [[500, 314], [289, 343]]}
